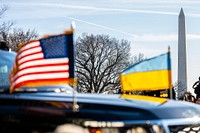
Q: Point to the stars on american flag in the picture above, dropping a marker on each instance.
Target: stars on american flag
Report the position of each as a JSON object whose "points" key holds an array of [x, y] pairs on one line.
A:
{"points": [[54, 47]]}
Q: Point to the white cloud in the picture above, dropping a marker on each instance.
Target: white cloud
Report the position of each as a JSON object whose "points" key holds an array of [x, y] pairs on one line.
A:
{"points": [[193, 36], [98, 9], [102, 26], [53, 9], [145, 37], [163, 37], [155, 38], [171, 2]]}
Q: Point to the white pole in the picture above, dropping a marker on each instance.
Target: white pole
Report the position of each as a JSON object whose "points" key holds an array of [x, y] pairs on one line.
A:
{"points": [[75, 105]]}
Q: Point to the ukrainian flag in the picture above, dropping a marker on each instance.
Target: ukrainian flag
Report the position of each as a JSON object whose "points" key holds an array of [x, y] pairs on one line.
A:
{"points": [[150, 74]]}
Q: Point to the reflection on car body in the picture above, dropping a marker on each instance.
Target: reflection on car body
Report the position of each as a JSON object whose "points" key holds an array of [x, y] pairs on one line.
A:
{"points": [[44, 111]]}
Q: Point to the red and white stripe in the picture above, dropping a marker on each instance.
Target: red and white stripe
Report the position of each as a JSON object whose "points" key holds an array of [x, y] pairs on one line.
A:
{"points": [[32, 67]]}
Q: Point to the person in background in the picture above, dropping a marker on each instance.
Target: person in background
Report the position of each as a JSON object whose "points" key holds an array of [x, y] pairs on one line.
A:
{"points": [[196, 87], [7, 59], [187, 96], [3, 46], [198, 101]]}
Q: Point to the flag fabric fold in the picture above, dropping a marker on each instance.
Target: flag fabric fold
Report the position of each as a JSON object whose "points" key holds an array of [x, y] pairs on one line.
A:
{"points": [[150, 74], [47, 61]]}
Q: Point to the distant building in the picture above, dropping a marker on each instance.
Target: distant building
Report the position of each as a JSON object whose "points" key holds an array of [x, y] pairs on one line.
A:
{"points": [[182, 55]]}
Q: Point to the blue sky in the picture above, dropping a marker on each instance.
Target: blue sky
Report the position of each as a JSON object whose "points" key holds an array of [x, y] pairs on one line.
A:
{"points": [[150, 25]]}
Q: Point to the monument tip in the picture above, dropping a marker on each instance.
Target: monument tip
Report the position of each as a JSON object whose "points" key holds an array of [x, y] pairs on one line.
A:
{"points": [[181, 12], [168, 49]]}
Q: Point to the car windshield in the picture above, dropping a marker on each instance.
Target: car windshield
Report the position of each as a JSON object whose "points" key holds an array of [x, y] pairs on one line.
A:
{"points": [[53, 88]]}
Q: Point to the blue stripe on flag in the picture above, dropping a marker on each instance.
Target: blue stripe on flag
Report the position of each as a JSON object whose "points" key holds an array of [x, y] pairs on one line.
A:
{"points": [[161, 62]]}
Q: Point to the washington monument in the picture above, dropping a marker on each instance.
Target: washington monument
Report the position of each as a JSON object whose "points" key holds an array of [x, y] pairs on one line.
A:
{"points": [[182, 58]]}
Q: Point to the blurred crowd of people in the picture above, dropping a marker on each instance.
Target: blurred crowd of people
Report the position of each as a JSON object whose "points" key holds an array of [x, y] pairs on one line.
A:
{"points": [[188, 96]]}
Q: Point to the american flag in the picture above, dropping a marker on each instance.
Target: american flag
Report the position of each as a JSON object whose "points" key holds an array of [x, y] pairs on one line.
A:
{"points": [[47, 61]]}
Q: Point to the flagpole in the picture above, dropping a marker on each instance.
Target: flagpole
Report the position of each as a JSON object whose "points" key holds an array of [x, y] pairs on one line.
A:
{"points": [[170, 80], [75, 105]]}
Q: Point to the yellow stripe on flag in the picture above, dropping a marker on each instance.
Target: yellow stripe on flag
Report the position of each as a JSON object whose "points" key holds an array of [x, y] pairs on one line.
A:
{"points": [[150, 80]]}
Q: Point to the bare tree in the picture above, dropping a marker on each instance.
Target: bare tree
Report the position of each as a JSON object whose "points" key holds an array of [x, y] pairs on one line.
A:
{"points": [[3, 9], [99, 60], [179, 88], [18, 36], [14, 36], [4, 26], [138, 58]]}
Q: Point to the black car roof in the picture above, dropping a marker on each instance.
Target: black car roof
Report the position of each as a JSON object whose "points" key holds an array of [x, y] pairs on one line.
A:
{"points": [[95, 106]]}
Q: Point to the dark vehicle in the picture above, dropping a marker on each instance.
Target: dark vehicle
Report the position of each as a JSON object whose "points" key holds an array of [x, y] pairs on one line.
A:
{"points": [[42, 112]]}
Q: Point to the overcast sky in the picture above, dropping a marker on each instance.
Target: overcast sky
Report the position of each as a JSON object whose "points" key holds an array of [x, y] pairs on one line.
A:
{"points": [[150, 25]]}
